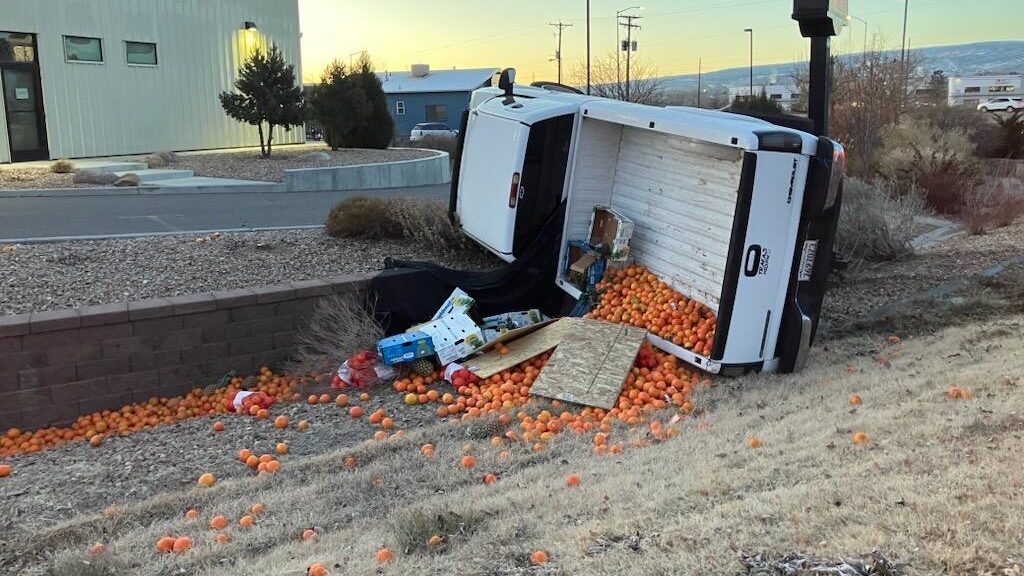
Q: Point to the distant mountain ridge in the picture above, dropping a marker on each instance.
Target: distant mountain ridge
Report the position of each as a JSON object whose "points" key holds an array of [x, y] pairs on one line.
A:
{"points": [[979, 58]]}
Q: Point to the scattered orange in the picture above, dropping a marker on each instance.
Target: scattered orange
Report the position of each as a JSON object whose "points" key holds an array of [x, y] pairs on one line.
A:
{"points": [[244, 454], [218, 426], [218, 523], [281, 448], [182, 544], [281, 422], [387, 423], [572, 480], [258, 508], [364, 396], [490, 479], [207, 480], [312, 399], [434, 540], [350, 461], [316, 570], [854, 399], [5, 470], [96, 440], [302, 425], [263, 413], [222, 538], [192, 514], [97, 549], [341, 400], [355, 412], [538, 557], [308, 533], [252, 461], [467, 462], [325, 398], [380, 435], [165, 544], [246, 521], [861, 438], [753, 442], [384, 556]]}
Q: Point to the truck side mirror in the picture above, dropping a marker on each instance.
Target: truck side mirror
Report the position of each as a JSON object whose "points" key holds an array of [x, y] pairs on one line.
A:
{"points": [[506, 82]]}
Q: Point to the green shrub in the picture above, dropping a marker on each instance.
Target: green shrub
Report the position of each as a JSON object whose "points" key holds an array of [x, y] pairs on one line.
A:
{"points": [[941, 163], [62, 166], [424, 221], [350, 107]]}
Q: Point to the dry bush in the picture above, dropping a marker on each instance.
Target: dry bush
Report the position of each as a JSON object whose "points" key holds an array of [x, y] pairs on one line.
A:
{"points": [[877, 224], [941, 163], [991, 205], [62, 166], [424, 221], [414, 528], [436, 143], [339, 327]]}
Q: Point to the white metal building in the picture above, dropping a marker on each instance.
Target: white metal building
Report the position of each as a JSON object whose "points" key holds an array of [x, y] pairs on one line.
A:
{"points": [[786, 95], [973, 90], [87, 78]]}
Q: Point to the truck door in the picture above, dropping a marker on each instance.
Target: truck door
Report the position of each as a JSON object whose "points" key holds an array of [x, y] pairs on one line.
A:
{"points": [[543, 177], [490, 180]]}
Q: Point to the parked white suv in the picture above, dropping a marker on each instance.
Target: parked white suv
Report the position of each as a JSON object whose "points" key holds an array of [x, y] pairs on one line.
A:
{"points": [[432, 129], [996, 104]]}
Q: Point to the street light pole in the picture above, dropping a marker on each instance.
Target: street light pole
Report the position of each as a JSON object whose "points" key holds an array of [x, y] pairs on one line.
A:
{"points": [[629, 47], [700, 66], [751, 31], [862, 21], [903, 44]]}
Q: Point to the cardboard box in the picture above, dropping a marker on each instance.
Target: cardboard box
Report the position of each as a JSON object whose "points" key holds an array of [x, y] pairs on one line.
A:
{"points": [[499, 324], [454, 337], [611, 231], [405, 347], [457, 302]]}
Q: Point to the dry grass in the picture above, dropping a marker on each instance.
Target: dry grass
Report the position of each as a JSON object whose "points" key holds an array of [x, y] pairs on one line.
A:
{"points": [[62, 166], [995, 203], [939, 485], [424, 221], [339, 327]]}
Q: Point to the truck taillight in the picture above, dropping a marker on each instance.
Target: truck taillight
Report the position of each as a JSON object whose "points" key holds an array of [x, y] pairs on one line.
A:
{"points": [[836, 176], [513, 193]]}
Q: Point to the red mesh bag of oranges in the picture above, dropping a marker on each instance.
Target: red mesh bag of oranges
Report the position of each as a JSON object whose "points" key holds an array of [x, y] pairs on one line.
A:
{"points": [[633, 295]]}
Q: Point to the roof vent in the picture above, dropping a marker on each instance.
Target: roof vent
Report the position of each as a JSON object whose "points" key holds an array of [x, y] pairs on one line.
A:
{"points": [[420, 70]]}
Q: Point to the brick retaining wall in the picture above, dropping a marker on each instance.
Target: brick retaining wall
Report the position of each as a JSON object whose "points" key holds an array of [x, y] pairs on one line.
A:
{"points": [[58, 364]]}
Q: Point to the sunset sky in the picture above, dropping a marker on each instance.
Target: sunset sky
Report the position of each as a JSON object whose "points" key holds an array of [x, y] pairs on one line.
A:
{"points": [[474, 34]]}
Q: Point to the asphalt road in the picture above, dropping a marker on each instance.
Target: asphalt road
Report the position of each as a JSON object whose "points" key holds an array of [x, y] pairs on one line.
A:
{"points": [[53, 218]]}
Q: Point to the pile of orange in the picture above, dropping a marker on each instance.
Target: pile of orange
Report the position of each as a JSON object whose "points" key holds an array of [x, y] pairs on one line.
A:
{"points": [[135, 417], [633, 295]]}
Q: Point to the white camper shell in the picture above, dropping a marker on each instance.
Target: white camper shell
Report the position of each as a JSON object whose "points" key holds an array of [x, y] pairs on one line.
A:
{"points": [[735, 212]]}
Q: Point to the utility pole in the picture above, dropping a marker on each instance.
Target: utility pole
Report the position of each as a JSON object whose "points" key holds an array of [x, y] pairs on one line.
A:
{"points": [[903, 56], [618, 43], [700, 66], [588, 46], [751, 31], [558, 52], [629, 45]]}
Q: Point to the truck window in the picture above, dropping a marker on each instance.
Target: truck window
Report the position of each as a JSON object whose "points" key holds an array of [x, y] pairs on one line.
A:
{"points": [[543, 177]]}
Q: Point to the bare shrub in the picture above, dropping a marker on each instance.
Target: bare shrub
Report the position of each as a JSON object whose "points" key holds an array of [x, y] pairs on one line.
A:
{"points": [[425, 221], [608, 79], [436, 143], [62, 166], [877, 224], [993, 204], [94, 177], [339, 327], [413, 529], [941, 163]]}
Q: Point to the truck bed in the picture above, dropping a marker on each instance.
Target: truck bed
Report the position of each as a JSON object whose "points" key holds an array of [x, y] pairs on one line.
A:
{"points": [[680, 193]]}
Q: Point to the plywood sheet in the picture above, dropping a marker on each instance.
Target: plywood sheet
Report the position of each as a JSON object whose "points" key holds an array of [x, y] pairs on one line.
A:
{"points": [[539, 339], [591, 364]]}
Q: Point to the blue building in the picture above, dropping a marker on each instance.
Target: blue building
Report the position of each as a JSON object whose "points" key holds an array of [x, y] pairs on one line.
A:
{"points": [[422, 95]]}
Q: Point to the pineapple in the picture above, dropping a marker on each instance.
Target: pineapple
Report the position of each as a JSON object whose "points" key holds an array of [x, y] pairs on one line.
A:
{"points": [[422, 366], [484, 428]]}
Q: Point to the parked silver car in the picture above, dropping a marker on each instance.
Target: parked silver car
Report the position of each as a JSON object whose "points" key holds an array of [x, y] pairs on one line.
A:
{"points": [[1009, 104], [432, 129]]}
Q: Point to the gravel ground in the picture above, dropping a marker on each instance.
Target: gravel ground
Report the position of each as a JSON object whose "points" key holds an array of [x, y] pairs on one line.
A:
{"points": [[249, 166], [245, 165], [41, 277], [874, 286]]}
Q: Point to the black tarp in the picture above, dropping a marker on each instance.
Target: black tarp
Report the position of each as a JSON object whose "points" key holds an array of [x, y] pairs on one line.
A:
{"points": [[409, 293]]}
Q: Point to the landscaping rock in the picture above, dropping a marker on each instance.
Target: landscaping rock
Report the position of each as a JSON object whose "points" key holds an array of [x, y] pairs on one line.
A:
{"points": [[129, 179], [94, 177], [168, 156], [313, 157], [155, 161]]}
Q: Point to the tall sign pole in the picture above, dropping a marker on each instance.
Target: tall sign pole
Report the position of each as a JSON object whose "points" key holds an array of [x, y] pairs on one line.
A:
{"points": [[588, 46], [820, 20]]}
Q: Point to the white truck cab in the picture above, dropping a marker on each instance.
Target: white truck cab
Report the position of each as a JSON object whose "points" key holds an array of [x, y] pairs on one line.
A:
{"points": [[735, 212]]}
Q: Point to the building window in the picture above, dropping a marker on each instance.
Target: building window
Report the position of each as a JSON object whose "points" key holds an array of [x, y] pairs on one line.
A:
{"points": [[15, 47], [437, 113], [82, 49], [776, 96], [400, 108], [972, 90], [140, 53], [1000, 88]]}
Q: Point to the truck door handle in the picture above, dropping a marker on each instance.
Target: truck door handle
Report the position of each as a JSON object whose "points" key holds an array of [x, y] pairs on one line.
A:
{"points": [[522, 192]]}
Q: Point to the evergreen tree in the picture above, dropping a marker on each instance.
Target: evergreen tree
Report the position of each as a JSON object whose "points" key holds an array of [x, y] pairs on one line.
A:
{"points": [[760, 103], [267, 93], [379, 129], [350, 106]]}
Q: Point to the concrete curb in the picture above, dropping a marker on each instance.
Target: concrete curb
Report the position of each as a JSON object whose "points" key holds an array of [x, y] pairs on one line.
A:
{"points": [[426, 171], [130, 235]]}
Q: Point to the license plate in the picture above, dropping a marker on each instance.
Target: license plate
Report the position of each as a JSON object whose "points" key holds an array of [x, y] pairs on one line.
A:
{"points": [[807, 260]]}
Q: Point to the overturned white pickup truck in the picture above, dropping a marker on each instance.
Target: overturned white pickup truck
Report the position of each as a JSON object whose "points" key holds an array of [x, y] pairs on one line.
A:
{"points": [[735, 212]]}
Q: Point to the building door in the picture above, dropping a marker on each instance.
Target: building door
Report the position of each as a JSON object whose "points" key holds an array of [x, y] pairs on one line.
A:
{"points": [[23, 99]]}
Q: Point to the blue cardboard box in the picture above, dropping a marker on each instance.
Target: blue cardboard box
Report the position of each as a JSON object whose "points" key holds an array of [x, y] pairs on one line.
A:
{"points": [[405, 347]]}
